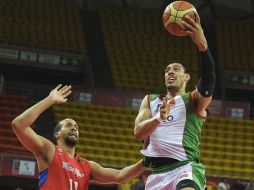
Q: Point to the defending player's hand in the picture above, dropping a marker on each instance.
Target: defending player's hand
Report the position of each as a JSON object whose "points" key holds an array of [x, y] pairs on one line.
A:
{"points": [[59, 94], [164, 109], [195, 31]]}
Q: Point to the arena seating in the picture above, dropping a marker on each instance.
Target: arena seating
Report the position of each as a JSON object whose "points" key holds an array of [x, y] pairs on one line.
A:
{"points": [[235, 44], [43, 24], [227, 148], [106, 136], [10, 107], [139, 49]]}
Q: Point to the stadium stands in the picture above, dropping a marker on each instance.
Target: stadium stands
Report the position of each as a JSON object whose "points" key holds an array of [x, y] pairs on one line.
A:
{"points": [[139, 49], [235, 44], [10, 107], [44, 24], [227, 148]]}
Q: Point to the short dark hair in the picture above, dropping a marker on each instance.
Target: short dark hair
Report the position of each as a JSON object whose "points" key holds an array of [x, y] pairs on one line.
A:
{"points": [[185, 67], [57, 128]]}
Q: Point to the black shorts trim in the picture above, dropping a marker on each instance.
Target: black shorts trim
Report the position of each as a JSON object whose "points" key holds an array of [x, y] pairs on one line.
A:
{"points": [[187, 183]]}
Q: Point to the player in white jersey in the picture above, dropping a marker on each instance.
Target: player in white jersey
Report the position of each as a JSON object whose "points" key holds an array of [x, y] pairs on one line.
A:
{"points": [[171, 125]]}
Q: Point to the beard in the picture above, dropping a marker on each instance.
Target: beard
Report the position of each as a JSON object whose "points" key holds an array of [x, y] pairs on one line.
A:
{"points": [[175, 88], [172, 88], [70, 141]]}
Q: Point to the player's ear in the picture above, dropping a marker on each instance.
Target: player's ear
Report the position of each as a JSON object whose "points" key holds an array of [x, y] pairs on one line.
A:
{"points": [[187, 77], [57, 134]]}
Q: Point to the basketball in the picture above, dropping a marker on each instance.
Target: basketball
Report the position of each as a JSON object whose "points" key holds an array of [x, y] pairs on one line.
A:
{"points": [[175, 13]]}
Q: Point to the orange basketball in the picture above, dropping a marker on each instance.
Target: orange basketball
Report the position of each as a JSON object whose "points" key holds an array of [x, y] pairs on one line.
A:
{"points": [[173, 15]]}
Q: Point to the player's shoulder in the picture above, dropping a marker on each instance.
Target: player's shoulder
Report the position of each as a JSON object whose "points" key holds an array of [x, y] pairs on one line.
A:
{"points": [[82, 160], [94, 165], [152, 97]]}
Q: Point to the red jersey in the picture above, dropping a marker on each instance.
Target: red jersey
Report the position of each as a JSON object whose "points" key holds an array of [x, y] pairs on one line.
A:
{"points": [[65, 173]]}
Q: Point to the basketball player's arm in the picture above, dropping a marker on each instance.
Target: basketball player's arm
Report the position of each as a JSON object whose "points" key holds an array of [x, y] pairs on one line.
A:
{"points": [[145, 123], [21, 124], [202, 95], [103, 175]]}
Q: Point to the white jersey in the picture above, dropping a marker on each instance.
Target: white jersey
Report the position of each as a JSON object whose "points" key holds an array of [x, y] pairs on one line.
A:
{"points": [[177, 137]]}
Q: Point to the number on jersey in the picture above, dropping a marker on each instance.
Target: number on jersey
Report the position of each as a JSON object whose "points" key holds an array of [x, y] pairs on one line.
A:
{"points": [[75, 186]]}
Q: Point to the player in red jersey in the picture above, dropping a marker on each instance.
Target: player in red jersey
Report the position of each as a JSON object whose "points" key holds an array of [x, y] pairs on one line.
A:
{"points": [[60, 167]]}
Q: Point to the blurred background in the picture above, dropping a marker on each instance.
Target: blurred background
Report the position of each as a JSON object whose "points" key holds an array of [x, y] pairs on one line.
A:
{"points": [[114, 52]]}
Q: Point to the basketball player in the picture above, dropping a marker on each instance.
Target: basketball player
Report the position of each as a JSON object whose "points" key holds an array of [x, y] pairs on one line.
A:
{"points": [[60, 167], [171, 125]]}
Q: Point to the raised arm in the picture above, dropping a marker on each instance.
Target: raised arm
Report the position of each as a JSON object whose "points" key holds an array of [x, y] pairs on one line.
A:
{"points": [[39, 145], [103, 175], [145, 123], [203, 94]]}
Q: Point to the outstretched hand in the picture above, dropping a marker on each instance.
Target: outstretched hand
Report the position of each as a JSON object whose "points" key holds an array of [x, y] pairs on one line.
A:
{"points": [[60, 93], [195, 31]]}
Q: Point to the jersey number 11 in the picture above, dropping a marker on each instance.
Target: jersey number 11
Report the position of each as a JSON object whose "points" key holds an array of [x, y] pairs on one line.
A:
{"points": [[75, 185]]}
